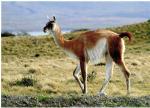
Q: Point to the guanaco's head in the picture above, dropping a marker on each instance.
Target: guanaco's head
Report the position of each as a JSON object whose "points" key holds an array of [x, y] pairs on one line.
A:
{"points": [[50, 25]]}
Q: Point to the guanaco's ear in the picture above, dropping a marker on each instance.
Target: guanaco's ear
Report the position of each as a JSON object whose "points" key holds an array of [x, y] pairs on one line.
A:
{"points": [[54, 19], [48, 17]]}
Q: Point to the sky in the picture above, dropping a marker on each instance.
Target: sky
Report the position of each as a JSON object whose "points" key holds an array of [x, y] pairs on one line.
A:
{"points": [[32, 16]]}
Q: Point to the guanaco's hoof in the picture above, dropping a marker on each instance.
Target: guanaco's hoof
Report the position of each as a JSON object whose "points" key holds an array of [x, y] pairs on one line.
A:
{"points": [[128, 94], [102, 94]]}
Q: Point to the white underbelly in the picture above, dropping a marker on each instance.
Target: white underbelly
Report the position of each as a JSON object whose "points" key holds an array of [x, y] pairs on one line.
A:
{"points": [[71, 55], [96, 53]]}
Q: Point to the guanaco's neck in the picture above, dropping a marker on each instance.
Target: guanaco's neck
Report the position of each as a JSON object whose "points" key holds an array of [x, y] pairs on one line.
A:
{"points": [[58, 37]]}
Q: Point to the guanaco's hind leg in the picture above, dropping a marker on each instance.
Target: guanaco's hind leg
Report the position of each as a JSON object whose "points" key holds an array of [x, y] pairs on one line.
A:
{"points": [[126, 75], [109, 69], [116, 50]]}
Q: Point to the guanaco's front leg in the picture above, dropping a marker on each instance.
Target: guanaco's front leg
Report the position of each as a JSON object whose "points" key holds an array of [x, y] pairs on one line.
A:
{"points": [[84, 75], [76, 73]]}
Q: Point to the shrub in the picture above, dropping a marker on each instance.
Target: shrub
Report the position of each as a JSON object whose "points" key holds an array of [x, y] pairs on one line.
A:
{"points": [[7, 34], [91, 76], [25, 81], [36, 55], [148, 20], [26, 65], [32, 70]]}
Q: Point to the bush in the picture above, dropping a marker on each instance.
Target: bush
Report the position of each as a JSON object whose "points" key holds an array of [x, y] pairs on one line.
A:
{"points": [[32, 70], [36, 55], [91, 76], [7, 34], [26, 81], [148, 20]]}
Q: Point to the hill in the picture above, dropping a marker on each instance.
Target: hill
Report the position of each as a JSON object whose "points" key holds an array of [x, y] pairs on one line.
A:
{"points": [[22, 46], [35, 66]]}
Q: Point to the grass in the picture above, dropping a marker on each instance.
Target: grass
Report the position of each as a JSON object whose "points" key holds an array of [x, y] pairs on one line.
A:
{"points": [[74, 101], [40, 58]]}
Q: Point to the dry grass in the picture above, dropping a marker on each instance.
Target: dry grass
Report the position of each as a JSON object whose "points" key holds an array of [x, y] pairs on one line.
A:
{"points": [[53, 76]]}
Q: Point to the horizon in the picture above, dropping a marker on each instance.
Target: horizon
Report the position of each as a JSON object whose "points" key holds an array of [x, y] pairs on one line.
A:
{"points": [[31, 16]]}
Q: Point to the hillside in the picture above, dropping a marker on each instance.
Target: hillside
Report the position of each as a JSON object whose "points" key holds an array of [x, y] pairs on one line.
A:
{"points": [[44, 45], [35, 66]]}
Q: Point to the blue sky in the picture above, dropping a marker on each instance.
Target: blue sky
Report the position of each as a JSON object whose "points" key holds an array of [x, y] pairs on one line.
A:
{"points": [[31, 16]]}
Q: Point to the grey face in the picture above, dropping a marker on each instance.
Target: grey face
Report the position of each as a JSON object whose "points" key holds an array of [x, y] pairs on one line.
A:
{"points": [[49, 25]]}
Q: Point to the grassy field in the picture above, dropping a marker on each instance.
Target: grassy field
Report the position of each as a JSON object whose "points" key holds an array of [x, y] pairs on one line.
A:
{"points": [[36, 66]]}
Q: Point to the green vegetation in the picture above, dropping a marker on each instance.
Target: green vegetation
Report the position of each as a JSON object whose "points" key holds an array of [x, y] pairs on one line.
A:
{"points": [[51, 70], [74, 101], [7, 34], [26, 81]]}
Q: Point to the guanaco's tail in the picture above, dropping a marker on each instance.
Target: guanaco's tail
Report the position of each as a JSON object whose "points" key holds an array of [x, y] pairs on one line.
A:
{"points": [[128, 34]]}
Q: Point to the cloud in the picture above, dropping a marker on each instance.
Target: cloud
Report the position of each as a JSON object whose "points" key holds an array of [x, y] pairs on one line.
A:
{"points": [[31, 16]]}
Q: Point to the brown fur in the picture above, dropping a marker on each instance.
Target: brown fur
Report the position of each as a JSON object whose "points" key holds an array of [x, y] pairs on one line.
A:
{"points": [[75, 46], [115, 48], [86, 40], [91, 38], [128, 34]]}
